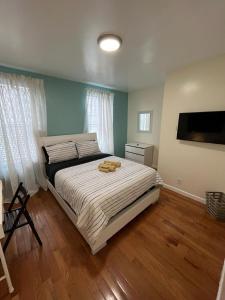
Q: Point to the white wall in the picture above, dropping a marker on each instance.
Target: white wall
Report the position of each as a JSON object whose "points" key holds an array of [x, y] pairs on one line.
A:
{"points": [[149, 99], [199, 166]]}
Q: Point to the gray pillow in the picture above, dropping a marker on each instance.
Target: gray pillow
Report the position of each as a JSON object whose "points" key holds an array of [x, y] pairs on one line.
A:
{"points": [[61, 152], [87, 148]]}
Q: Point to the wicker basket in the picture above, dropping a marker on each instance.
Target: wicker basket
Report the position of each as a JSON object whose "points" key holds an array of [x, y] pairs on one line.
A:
{"points": [[216, 204]]}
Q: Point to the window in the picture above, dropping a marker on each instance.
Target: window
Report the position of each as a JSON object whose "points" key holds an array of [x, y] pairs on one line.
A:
{"points": [[22, 120], [99, 117], [92, 114], [144, 121]]}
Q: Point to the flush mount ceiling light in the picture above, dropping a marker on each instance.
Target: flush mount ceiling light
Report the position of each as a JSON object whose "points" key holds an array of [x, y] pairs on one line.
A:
{"points": [[109, 42]]}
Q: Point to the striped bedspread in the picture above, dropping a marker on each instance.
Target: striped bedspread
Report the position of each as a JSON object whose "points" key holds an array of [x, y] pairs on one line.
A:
{"points": [[96, 196]]}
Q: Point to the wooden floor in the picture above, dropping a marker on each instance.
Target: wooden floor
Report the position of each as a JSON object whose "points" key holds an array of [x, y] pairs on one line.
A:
{"points": [[173, 250]]}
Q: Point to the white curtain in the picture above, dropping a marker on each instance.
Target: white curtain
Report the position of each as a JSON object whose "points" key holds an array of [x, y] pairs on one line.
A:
{"points": [[22, 121], [99, 117]]}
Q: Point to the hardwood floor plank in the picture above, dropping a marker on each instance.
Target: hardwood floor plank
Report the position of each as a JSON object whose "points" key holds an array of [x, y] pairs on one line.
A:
{"points": [[173, 250]]}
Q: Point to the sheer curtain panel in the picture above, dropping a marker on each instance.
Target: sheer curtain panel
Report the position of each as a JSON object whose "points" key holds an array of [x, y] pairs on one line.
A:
{"points": [[99, 117], [22, 122]]}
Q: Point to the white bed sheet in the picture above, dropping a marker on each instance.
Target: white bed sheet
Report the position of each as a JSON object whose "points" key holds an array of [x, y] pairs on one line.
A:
{"points": [[96, 196]]}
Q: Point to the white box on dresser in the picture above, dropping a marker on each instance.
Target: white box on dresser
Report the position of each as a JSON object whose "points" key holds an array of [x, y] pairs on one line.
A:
{"points": [[140, 152]]}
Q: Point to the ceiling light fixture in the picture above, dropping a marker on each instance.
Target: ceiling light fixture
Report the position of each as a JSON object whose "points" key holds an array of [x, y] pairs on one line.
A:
{"points": [[109, 42]]}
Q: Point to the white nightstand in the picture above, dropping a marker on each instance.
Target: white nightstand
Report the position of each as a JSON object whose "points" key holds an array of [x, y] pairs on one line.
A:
{"points": [[140, 152]]}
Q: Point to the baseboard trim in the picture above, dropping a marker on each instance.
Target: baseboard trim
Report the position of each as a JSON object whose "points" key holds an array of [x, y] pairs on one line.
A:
{"points": [[184, 193]]}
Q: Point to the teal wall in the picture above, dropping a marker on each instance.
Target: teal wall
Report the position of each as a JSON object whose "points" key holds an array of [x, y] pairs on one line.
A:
{"points": [[66, 107]]}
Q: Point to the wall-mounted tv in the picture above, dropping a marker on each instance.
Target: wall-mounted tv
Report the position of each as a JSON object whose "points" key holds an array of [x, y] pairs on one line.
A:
{"points": [[205, 127]]}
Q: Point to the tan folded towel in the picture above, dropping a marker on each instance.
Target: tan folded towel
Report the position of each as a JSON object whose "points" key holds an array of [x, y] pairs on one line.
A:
{"points": [[117, 164], [107, 167], [103, 170]]}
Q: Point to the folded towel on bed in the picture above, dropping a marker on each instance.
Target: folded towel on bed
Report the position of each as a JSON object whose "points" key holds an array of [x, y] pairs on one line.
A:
{"points": [[117, 164], [109, 166], [106, 170], [106, 167]]}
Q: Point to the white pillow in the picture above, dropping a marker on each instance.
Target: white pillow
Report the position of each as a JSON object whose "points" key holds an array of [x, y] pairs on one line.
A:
{"points": [[87, 148], [61, 152]]}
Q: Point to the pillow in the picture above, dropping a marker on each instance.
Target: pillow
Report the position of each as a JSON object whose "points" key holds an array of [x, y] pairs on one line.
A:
{"points": [[87, 148], [60, 152]]}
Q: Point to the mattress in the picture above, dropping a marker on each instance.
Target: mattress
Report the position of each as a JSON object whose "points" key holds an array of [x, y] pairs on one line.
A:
{"points": [[97, 196]]}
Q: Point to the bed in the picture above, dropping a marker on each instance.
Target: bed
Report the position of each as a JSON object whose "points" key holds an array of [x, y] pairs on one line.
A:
{"points": [[100, 204]]}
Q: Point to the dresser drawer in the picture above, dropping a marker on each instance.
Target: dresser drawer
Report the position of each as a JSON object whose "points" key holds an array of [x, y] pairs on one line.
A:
{"points": [[135, 157], [135, 149]]}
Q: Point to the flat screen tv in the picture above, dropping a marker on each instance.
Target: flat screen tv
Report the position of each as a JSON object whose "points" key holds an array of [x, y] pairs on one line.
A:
{"points": [[205, 127]]}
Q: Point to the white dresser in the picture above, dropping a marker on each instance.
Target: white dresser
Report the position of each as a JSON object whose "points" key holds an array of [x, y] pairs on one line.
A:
{"points": [[140, 152]]}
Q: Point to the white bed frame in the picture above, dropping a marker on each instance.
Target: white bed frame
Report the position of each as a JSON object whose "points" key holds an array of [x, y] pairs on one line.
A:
{"points": [[117, 222]]}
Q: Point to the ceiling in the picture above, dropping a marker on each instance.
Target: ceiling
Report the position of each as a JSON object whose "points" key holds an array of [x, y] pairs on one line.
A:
{"points": [[58, 38]]}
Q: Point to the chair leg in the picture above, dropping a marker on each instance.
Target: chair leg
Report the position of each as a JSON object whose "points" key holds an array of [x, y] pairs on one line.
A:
{"points": [[11, 231], [14, 198], [30, 222], [7, 240], [35, 233]]}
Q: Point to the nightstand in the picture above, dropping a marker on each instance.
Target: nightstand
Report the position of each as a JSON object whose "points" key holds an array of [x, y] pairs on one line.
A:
{"points": [[140, 152]]}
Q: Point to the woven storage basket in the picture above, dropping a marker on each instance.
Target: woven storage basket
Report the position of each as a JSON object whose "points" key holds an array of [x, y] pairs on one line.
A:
{"points": [[216, 204]]}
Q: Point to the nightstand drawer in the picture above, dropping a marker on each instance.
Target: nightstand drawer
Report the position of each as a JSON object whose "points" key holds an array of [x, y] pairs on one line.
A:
{"points": [[135, 150], [135, 157]]}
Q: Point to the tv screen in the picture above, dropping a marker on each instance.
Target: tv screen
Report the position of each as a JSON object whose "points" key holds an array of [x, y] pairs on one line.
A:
{"points": [[205, 127]]}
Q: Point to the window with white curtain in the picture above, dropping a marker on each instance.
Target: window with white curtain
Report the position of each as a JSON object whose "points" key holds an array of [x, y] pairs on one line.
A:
{"points": [[22, 121], [99, 117], [144, 121]]}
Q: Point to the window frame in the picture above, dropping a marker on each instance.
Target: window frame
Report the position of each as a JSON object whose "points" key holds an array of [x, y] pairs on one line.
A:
{"points": [[150, 112]]}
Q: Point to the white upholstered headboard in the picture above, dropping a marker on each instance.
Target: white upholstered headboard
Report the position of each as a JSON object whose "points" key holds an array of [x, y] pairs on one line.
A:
{"points": [[55, 139]]}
